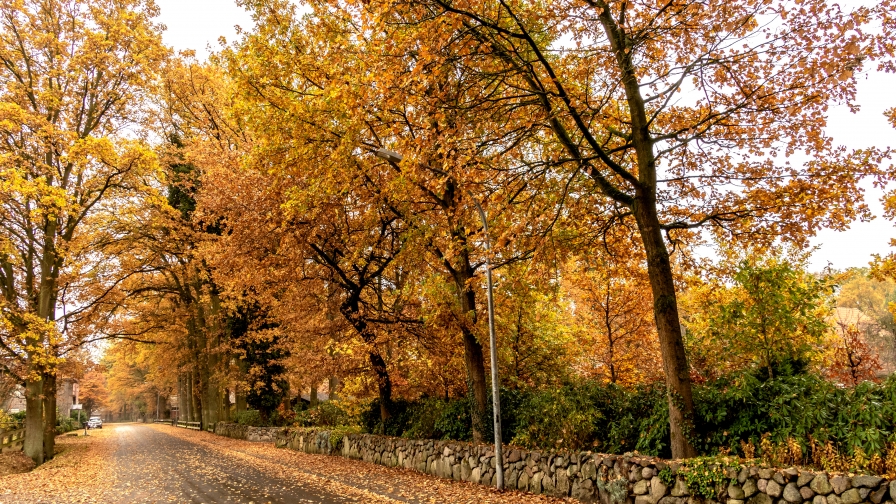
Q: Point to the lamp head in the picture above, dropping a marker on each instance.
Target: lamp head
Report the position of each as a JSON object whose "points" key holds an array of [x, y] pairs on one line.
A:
{"points": [[388, 155]]}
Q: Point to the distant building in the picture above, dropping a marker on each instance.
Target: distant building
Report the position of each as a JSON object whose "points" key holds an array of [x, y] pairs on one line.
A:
{"points": [[15, 402], [67, 390], [66, 395]]}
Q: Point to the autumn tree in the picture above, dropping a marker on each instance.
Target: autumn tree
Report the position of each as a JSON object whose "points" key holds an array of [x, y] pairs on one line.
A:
{"points": [[681, 115], [612, 319], [73, 79], [773, 315], [392, 99], [92, 391], [870, 299]]}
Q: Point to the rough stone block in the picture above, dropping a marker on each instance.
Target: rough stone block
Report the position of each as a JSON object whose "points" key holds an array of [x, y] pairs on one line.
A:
{"points": [[792, 493], [760, 498], [805, 478], [821, 485], [466, 471], [840, 484], [589, 470], [476, 476], [750, 488], [736, 492], [762, 485], [743, 475], [893, 490], [866, 481], [657, 489], [523, 482], [547, 485], [561, 489], [641, 487], [851, 496], [807, 493], [773, 489], [734, 501], [583, 490], [779, 478], [680, 489], [864, 492], [879, 495], [672, 500], [819, 499], [647, 473], [766, 473]]}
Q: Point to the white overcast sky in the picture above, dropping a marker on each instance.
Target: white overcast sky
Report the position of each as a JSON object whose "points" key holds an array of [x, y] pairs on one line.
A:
{"points": [[198, 24]]}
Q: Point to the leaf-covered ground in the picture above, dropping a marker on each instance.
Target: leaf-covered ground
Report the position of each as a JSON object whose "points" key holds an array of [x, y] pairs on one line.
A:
{"points": [[14, 462], [158, 463]]}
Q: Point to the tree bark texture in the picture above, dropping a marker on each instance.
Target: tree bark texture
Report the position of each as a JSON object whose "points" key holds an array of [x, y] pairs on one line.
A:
{"points": [[34, 421]]}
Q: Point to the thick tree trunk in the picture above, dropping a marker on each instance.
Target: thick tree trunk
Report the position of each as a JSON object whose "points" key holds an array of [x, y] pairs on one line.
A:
{"points": [[195, 399], [312, 396], [332, 385], [49, 415], [384, 385], [665, 309], [34, 420], [474, 359], [475, 364], [351, 310]]}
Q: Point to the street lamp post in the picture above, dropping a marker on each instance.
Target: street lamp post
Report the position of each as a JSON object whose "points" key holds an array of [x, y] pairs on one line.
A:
{"points": [[395, 157]]}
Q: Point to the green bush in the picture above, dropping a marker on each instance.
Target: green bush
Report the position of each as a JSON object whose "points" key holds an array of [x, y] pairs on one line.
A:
{"points": [[803, 407], [742, 410], [589, 415], [455, 421], [326, 413], [64, 425], [251, 418]]}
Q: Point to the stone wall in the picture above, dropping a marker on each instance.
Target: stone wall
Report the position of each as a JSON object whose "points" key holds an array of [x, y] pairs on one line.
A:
{"points": [[590, 477], [237, 431]]}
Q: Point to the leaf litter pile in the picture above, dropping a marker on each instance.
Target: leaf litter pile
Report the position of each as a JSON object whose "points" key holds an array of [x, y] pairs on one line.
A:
{"points": [[159, 463]]}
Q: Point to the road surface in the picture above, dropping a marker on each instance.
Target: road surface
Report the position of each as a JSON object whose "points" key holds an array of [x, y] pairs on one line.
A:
{"points": [[154, 465], [140, 463]]}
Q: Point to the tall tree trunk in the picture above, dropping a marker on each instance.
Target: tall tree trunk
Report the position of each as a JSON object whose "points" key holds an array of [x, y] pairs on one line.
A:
{"points": [[195, 399], [34, 420], [474, 360], [384, 385], [312, 396], [351, 310], [665, 309], [49, 415], [332, 385]]}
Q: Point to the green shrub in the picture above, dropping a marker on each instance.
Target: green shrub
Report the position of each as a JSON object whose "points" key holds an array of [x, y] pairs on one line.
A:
{"points": [[801, 408], [251, 418], [455, 421], [425, 416], [64, 425], [326, 413], [787, 419]]}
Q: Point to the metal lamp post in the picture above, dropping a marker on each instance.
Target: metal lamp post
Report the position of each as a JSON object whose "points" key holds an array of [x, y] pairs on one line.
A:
{"points": [[395, 157]]}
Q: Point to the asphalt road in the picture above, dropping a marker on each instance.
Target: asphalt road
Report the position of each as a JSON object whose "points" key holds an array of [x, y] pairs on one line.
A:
{"points": [[155, 466], [149, 464]]}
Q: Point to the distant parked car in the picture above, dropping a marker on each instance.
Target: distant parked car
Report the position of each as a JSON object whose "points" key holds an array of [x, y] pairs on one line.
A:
{"points": [[95, 422]]}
